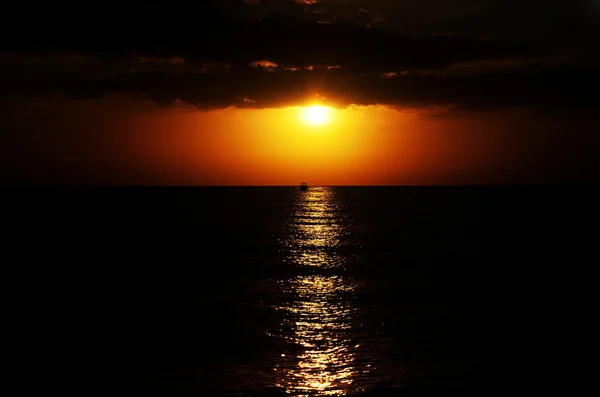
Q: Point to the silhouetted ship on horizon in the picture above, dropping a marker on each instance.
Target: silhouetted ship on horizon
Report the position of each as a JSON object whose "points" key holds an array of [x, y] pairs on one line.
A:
{"points": [[303, 187]]}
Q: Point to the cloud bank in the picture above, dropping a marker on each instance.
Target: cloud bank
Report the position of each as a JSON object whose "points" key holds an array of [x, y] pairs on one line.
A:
{"points": [[235, 59]]}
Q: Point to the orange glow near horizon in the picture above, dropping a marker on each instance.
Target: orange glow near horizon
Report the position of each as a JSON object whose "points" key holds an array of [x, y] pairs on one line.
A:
{"points": [[137, 142], [360, 145], [270, 146]]}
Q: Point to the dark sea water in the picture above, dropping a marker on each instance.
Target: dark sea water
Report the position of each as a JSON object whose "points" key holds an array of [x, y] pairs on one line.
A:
{"points": [[265, 290]]}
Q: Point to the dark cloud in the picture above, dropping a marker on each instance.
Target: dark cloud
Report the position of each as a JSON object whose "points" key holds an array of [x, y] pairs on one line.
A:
{"points": [[550, 89], [219, 54], [540, 20]]}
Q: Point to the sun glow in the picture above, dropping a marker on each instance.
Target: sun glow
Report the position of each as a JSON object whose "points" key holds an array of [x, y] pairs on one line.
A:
{"points": [[316, 115]]}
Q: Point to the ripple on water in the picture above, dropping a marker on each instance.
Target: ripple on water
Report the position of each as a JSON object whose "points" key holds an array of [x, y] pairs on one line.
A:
{"points": [[328, 348]]}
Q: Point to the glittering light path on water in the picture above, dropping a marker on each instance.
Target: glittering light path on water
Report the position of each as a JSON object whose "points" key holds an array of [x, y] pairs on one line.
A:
{"points": [[319, 311]]}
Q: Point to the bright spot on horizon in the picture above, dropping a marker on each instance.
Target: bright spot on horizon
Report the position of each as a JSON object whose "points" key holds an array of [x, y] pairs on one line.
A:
{"points": [[316, 115]]}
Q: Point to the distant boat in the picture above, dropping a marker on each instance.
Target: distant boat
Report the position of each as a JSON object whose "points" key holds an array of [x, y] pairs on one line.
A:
{"points": [[303, 187]]}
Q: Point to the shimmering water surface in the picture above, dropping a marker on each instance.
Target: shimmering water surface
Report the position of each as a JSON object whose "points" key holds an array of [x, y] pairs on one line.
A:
{"points": [[319, 312], [335, 291]]}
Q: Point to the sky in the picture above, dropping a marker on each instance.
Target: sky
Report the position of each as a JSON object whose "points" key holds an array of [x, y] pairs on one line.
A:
{"points": [[216, 92]]}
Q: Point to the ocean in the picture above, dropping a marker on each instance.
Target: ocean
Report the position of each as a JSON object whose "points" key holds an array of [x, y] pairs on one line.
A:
{"points": [[250, 291]]}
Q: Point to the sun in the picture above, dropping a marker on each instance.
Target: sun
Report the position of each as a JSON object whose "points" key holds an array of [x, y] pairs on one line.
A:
{"points": [[316, 115]]}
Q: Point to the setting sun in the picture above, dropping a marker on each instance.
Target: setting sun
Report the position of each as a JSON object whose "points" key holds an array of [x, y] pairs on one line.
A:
{"points": [[316, 115]]}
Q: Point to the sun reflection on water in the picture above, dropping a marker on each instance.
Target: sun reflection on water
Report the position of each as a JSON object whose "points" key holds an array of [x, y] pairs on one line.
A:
{"points": [[319, 311]]}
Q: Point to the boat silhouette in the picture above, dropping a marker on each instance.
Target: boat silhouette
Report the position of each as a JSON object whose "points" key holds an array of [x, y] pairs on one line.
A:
{"points": [[303, 187]]}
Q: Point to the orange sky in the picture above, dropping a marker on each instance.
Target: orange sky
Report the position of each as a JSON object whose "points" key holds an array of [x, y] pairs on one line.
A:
{"points": [[118, 141]]}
